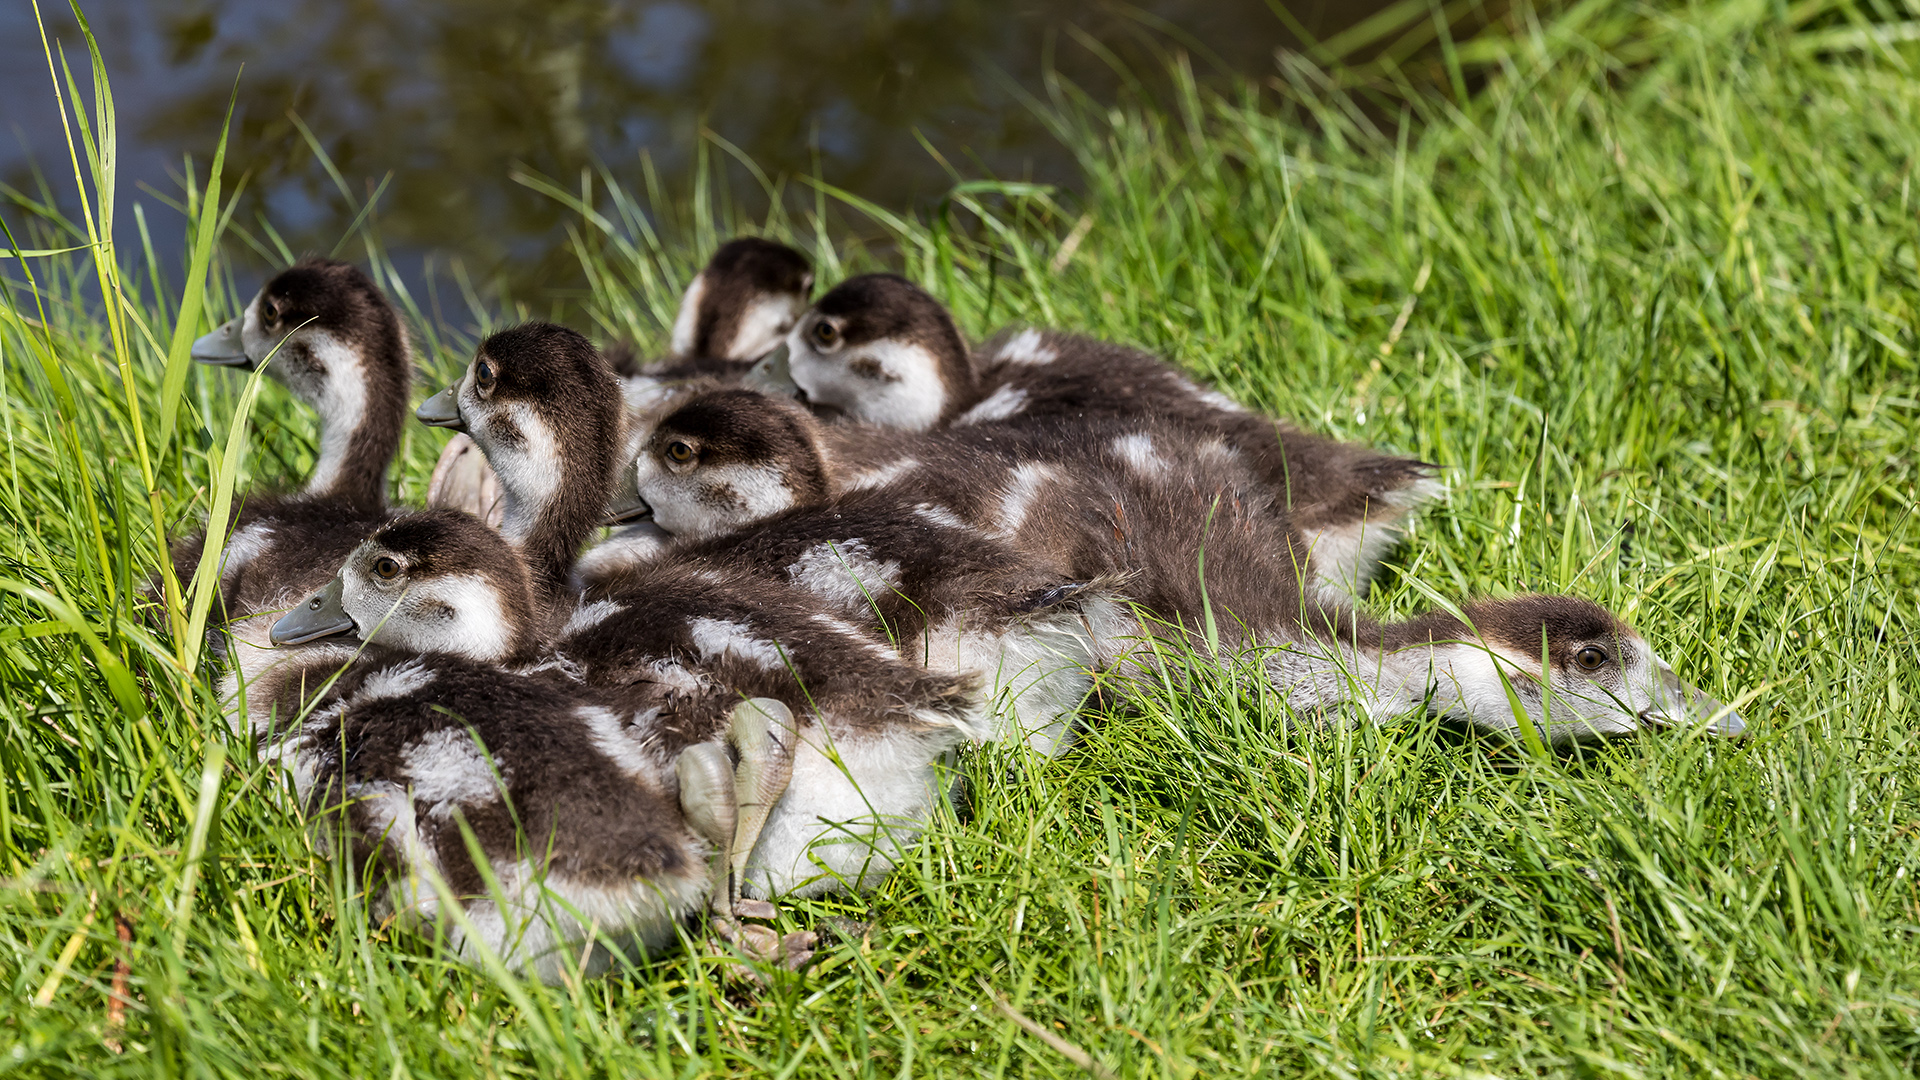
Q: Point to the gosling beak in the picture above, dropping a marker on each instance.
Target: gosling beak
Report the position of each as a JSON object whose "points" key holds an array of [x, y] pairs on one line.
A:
{"points": [[223, 347], [320, 616], [627, 509], [771, 376], [442, 410], [1684, 705]]}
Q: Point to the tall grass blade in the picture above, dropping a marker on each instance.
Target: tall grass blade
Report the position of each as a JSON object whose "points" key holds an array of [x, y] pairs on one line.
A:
{"points": [[206, 218]]}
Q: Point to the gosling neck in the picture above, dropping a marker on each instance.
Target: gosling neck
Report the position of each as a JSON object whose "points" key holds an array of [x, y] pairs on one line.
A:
{"points": [[362, 408], [554, 499], [1386, 669]]}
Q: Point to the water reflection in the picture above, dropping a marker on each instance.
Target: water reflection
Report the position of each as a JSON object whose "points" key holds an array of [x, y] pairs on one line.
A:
{"points": [[450, 95]]}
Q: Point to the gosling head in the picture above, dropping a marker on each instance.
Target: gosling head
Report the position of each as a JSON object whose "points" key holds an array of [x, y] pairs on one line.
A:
{"points": [[1597, 678], [338, 346], [881, 350], [439, 581], [726, 458], [743, 303], [545, 409]]}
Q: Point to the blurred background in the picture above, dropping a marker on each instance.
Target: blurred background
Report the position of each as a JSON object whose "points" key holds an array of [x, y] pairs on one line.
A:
{"points": [[444, 100]]}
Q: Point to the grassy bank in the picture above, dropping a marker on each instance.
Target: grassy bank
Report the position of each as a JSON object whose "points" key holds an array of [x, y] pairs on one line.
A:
{"points": [[1649, 297]]}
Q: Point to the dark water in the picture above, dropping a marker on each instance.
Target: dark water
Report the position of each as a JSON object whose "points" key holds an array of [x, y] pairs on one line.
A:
{"points": [[451, 96]]}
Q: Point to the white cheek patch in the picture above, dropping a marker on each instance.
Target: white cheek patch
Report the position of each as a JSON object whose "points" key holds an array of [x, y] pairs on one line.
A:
{"points": [[714, 638], [715, 500], [1471, 674], [687, 321], [845, 574], [341, 401], [824, 381], [913, 400], [1027, 347], [1139, 453], [1613, 703], [447, 770], [762, 490], [476, 628], [765, 322], [530, 473], [1024, 485], [647, 471], [633, 446], [882, 476], [398, 681], [1002, 403], [1585, 707], [479, 629], [1466, 681]]}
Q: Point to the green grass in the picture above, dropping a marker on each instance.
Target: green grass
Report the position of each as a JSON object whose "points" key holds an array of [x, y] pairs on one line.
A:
{"points": [[1648, 294]]}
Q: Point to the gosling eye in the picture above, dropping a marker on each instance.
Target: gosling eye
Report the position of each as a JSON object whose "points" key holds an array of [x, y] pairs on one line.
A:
{"points": [[679, 452], [1591, 658], [269, 310], [386, 568], [825, 334], [484, 375]]}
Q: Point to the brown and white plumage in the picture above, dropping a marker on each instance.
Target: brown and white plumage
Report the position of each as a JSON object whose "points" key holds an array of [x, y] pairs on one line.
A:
{"points": [[1193, 533], [701, 633], [735, 311], [410, 721], [880, 350]]}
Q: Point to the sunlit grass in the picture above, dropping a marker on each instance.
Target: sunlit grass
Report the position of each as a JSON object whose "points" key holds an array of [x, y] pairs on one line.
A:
{"points": [[1649, 296]]}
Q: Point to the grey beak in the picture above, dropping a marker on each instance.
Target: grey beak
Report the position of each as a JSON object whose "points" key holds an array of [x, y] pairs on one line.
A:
{"points": [[223, 347], [322, 615], [626, 506], [442, 410], [771, 376], [1685, 705], [627, 509]]}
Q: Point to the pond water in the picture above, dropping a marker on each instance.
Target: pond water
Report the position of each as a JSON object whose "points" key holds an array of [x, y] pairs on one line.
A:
{"points": [[450, 96]]}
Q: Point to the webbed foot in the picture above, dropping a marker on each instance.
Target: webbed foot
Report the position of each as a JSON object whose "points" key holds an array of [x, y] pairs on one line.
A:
{"points": [[763, 943], [728, 805], [763, 735], [708, 801]]}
